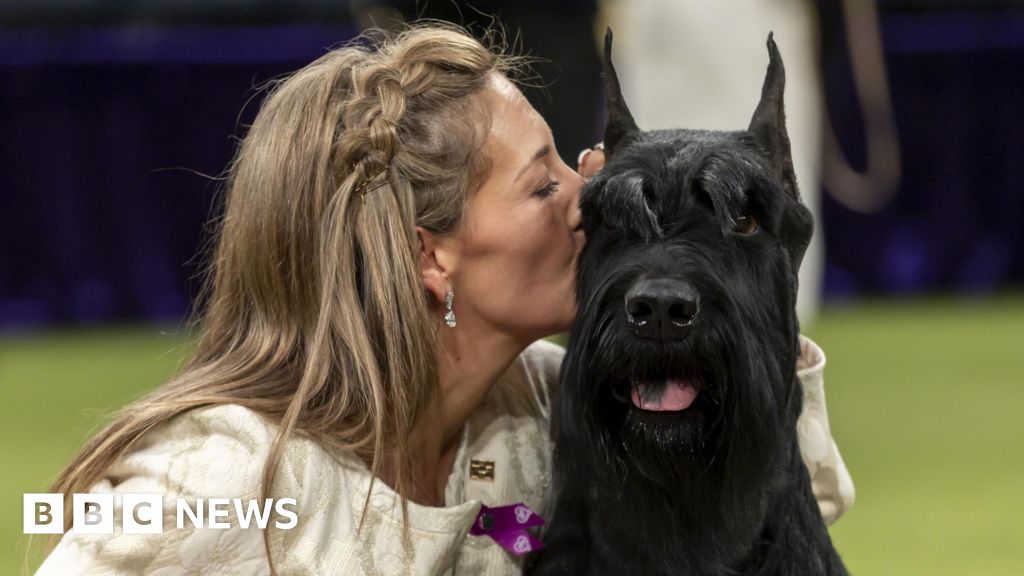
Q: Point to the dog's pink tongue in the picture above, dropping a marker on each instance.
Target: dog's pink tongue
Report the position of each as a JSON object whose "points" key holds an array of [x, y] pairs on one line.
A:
{"points": [[677, 395]]}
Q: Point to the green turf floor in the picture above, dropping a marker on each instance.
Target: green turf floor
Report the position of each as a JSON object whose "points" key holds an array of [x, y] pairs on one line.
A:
{"points": [[926, 399], [927, 404]]}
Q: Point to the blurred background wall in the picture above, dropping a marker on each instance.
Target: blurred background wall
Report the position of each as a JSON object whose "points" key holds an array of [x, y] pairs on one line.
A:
{"points": [[117, 117], [110, 111]]}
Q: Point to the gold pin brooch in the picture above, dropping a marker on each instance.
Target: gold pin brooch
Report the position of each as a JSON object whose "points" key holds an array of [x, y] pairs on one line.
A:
{"points": [[481, 470]]}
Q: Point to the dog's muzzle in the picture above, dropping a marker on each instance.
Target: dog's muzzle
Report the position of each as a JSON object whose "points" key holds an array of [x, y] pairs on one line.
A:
{"points": [[662, 308]]}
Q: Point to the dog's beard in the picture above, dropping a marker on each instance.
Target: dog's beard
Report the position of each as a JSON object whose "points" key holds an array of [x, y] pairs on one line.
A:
{"points": [[667, 449], [709, 459], [673, 448]]}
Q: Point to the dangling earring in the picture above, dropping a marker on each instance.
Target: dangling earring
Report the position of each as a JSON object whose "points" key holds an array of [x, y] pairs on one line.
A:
{"points": [[449, 315]]}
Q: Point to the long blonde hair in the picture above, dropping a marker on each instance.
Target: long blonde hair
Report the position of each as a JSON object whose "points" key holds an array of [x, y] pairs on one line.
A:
{"points": [[315, 314]]}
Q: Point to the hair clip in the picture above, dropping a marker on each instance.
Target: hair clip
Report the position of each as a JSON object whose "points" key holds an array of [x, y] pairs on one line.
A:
{"points": [[363, 188]]}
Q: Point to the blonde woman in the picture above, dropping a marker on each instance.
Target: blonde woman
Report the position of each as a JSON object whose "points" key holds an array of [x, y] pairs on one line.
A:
{"points": [[399, 235]]}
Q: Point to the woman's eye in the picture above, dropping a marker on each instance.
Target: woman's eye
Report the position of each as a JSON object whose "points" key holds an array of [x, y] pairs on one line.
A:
{"points": [[745, 225], [547, 190]]}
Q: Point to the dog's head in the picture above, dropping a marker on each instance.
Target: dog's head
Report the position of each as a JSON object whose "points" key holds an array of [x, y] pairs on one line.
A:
{"points": [[683, 353]]}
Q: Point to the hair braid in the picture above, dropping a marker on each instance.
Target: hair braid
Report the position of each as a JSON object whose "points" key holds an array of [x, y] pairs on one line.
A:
{"points": [[370, 119]]}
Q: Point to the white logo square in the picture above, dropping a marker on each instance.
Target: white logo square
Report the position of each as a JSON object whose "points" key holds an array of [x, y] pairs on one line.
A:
{"points": [[43, 513], [142, 513], [92, 513]]}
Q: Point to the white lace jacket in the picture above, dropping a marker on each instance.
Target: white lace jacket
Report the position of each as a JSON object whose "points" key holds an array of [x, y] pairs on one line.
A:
{"points": [[219, 452]]}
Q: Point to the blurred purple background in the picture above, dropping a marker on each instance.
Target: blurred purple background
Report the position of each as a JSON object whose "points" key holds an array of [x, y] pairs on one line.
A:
{"points": [[957, 222], [107, 116]]}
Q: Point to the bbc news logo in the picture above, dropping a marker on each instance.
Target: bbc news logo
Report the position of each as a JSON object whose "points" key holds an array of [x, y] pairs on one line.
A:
{"points": [[144, 513]]}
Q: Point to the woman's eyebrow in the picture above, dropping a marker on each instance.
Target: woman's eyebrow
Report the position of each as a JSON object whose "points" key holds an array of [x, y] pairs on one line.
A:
{"points": [[544, 151]]}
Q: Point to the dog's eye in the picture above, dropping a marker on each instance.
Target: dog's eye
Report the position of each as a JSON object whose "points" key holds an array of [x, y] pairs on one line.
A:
{"points": [[745, 225]]}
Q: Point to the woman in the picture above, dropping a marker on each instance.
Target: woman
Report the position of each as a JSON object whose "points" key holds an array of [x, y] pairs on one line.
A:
{"points": [[399, 234]]}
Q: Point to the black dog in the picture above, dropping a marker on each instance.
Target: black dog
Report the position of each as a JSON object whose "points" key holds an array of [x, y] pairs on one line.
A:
{"points": [[676, 449]]}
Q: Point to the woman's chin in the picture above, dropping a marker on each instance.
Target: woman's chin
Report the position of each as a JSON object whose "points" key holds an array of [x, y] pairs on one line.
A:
{"points": [[564, 323]]}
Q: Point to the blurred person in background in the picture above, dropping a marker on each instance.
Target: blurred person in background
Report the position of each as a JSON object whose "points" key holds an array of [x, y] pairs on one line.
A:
{"points": [[399, 235]]}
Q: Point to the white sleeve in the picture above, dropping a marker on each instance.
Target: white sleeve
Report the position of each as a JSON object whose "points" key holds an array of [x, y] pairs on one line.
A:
{"points": [[542, 365], [830, 480]]}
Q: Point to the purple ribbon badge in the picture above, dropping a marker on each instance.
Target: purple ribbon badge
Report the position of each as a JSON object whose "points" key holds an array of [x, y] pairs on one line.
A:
{"points": [[507, 526]]}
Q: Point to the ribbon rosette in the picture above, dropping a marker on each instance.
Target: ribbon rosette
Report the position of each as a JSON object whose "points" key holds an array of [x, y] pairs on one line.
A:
{"points": [[507, 526]]}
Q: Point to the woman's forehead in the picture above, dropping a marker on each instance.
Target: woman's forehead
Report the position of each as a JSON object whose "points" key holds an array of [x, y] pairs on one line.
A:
{"points": [[503, 87], [517, 130]]}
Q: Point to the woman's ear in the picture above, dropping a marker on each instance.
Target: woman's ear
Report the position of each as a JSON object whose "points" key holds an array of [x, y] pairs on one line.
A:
{"points": [[434, 260]]}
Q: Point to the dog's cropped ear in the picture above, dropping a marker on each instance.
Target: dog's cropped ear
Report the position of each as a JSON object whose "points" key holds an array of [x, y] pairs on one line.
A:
{"points": [[769, 122], [769, 128], [621, 127]]}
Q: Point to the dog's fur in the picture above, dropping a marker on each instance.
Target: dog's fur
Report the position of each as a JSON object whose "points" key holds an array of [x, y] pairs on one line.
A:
{"points": [[718, 488]]}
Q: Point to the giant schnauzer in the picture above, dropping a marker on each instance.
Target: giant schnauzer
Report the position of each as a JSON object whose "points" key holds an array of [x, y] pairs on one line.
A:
{"points": [[676, 449]]}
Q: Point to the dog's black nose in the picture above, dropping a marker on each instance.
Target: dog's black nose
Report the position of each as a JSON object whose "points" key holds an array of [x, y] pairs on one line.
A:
{"points": [[662, 308]]}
